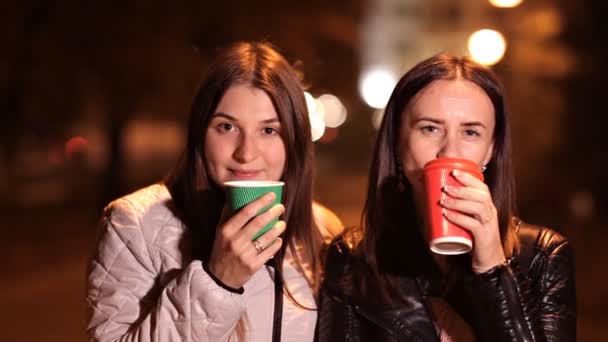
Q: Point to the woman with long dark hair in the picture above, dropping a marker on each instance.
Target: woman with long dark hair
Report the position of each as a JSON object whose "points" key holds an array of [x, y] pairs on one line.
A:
{"points": [[384, 284], [172, 264]]}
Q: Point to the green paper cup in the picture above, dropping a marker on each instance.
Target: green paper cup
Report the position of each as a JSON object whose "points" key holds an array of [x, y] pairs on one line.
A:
{"points": [[241, 193]]}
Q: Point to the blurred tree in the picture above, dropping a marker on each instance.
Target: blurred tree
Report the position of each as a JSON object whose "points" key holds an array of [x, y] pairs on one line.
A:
{"points": [[584, 142], [117, 46], [39, 93], [132, 54], [24, 23]]}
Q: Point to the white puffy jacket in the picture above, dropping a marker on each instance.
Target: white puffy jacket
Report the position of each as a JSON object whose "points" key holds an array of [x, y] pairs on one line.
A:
{"points": [[144, 286]]}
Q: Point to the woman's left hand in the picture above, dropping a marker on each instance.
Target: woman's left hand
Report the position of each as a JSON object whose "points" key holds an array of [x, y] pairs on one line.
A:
{"points": [[472, 208]]}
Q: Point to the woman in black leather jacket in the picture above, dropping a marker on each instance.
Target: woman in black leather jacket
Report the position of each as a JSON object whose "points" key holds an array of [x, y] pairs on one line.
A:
{"points": [[383, 284]]}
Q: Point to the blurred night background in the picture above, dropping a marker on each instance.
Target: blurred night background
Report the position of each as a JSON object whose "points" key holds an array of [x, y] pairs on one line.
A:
{"points": [[95, 95]]}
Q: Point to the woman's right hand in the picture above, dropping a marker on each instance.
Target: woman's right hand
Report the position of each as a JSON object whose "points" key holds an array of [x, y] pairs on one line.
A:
{"points": [[234, 257]]}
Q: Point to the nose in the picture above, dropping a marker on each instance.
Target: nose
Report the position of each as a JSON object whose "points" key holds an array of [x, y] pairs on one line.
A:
{"points": [[448, 148], [246, 150]]}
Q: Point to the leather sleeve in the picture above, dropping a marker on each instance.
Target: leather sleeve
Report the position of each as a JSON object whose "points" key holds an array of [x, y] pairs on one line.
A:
{"points": [[337, 318], [558, 300], [538, 305]]}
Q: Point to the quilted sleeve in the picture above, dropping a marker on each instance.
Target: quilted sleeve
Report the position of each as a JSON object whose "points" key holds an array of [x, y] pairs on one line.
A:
{"points": [[126, 303]]}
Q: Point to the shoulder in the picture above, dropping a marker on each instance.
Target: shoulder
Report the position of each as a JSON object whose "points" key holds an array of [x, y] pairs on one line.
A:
{"points": [[146, 207], [538, 243], [342, 253], [153, 198], [328, 222], [541, 238]]}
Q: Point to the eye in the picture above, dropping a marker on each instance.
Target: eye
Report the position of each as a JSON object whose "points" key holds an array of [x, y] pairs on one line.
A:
{"points": [[270, 131], [429, 129], [471, 133], [225, 127]]}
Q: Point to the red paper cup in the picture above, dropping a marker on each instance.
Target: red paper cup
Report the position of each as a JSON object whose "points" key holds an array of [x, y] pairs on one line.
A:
{"points": [[445, 237]]}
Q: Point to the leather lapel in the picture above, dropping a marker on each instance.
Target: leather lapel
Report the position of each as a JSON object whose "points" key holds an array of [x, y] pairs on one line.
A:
{"points": [[407, 321]]}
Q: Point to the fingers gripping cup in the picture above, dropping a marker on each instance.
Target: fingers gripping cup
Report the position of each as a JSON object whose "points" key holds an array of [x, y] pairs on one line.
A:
{"points": [[241, 193], [446, 237]]}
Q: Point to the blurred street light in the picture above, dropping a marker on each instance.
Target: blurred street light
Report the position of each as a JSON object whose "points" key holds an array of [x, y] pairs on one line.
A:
{"points": [[335, 112], [506, 3], [316, 115], [487, 46], [325, 111], [376, 86]]}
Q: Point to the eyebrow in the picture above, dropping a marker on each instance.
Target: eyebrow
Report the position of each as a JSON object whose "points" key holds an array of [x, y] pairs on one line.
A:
{"points": [[230, 117], [437, 121], [473, 124], [426, 118]]}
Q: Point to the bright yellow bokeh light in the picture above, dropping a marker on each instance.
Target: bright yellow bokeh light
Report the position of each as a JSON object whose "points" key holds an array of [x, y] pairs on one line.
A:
{"points": [[506, 3], [487, 47]]}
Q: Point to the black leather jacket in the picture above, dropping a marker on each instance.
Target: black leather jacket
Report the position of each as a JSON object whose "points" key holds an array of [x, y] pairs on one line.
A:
{"points": [[530, 298]]}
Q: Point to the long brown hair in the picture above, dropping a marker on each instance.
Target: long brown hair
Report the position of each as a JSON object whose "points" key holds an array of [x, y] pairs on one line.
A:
{"points": [[199, 201], [391, 235]]}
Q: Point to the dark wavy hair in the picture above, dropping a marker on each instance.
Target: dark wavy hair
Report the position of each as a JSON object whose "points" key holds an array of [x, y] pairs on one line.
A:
{"points": [[390, 225], [199, 201]]}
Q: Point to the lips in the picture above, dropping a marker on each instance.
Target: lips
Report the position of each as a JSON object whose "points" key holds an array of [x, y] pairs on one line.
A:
{"points": [[244, 174]]}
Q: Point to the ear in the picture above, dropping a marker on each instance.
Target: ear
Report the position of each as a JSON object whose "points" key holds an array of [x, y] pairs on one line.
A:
{"points": [[489, 154]]}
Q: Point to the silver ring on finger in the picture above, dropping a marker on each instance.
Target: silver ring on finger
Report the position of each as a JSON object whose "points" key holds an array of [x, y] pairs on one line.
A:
{"points": [[258, 246]]}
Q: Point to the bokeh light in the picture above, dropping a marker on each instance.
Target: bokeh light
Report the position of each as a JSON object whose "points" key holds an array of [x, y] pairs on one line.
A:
{"points": [[506, 3], [582, 205], [316, 115], [487, 47], [329, 135], [310, 101], [75, 146], [335, 112], [376, 86]]}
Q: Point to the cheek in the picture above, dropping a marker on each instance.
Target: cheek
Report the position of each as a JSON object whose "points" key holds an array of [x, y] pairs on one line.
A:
{"points": [[209, 151], [477, 153], [214, 153], [415, 153], [281, 157], [276, 158]]}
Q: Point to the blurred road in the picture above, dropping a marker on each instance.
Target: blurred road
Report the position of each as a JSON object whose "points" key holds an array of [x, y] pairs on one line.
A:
{"points": [[42, 284]]}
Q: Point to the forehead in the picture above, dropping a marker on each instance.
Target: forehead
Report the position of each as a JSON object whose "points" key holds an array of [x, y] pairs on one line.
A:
{"points": [[244, 100], [452, 99]]}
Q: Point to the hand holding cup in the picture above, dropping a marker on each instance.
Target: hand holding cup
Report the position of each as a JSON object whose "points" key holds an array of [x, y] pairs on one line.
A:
{"points": [[470, 206], [248, 239]]}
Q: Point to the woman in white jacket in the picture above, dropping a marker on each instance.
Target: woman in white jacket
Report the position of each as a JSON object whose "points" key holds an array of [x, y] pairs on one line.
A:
{"points": [[172, 265]]}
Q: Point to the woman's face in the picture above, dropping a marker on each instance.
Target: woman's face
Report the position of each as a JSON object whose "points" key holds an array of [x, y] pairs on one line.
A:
{"points": [[243, 140], [447, 118]]}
